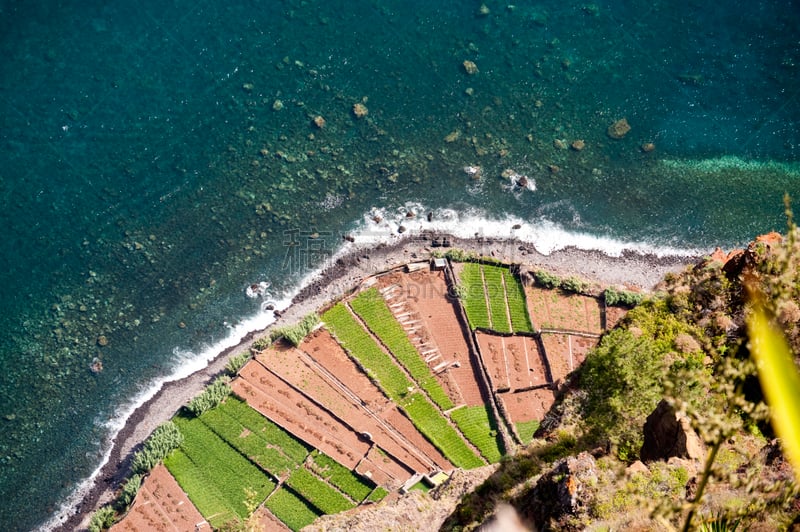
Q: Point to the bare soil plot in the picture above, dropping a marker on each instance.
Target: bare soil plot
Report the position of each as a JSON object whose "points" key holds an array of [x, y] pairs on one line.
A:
{"points": [[613, 315], [566, 352], [492, 350], [267, 521], [524, 362], [304, 374], [161, 504], [298, 415], [321, 346], [381, 469], [552, 309], [424, 295], [527, 405]]}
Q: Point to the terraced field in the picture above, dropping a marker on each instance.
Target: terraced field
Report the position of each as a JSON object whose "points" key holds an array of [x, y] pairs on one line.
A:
{"points": [[494, 298], [391, 387]]}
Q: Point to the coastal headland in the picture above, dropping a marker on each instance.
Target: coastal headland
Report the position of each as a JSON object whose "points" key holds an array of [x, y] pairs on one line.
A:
{"points": [[345, 273]]}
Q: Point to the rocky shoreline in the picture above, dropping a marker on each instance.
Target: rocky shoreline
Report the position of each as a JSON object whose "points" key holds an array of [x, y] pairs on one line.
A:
{"points": [[344, 274]]}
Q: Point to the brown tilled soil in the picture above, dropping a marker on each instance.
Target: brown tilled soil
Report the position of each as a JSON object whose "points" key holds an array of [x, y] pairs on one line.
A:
{"points": [[161, 505], [492, 350], [550, 309], [613, 315], [438, 311], [528, 405], [401, 440], [321, 346], [525, 363], [566, 352], [298, 415]]}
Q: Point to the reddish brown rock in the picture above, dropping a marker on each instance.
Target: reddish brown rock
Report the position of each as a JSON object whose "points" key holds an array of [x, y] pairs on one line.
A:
{"points": [[718, 256], [669, 433]]}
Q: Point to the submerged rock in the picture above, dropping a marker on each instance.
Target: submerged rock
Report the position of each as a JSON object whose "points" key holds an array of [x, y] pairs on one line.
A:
{"points": [[470, 67], [619, 129]]}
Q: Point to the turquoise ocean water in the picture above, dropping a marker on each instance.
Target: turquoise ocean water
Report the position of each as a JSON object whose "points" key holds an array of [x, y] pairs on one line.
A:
{"points": [[159, 157]]}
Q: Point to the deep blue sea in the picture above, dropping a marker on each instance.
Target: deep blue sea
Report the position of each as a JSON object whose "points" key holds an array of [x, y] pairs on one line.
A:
{"points": [[156, 158]]}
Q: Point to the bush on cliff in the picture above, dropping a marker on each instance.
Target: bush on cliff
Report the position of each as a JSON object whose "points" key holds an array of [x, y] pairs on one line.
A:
{"points": [[166, 438], [212, 396], [296, 333]]}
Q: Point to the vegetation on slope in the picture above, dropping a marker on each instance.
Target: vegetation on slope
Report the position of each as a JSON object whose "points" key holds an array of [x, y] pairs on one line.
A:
{"points": [[689, 345]]}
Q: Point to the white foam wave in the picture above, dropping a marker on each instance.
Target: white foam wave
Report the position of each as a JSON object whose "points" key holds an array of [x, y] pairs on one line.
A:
{"points": [[384, 226]]}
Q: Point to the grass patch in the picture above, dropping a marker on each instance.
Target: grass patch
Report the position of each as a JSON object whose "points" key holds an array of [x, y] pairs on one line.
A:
{"points": [[474, 296], [377, 494], [479, 427], [255, 422], [525, 429], [517, 307], [435, 427], [362, 347], [250, 443], [230, 473], [372, 308], [493, 276], [294, 511], [318, 492], [201, 490], [351, 483]]}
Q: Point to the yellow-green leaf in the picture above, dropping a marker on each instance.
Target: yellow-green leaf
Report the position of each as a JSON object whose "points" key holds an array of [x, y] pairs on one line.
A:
{"points": [[780, 382]]}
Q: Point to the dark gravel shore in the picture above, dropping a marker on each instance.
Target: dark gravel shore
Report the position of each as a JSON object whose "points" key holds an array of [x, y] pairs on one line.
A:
{"points": [[348, 270]]}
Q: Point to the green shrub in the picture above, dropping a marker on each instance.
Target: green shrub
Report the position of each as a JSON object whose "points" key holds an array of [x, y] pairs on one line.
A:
{"points": [[166, 438], [212, 396], [297, 332], [236, 363], [623, 382], [460, 291], [102, 519], [459, 255], [128, 493], [622, 297], [546, 279], [574, 285], [262, 343]]}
